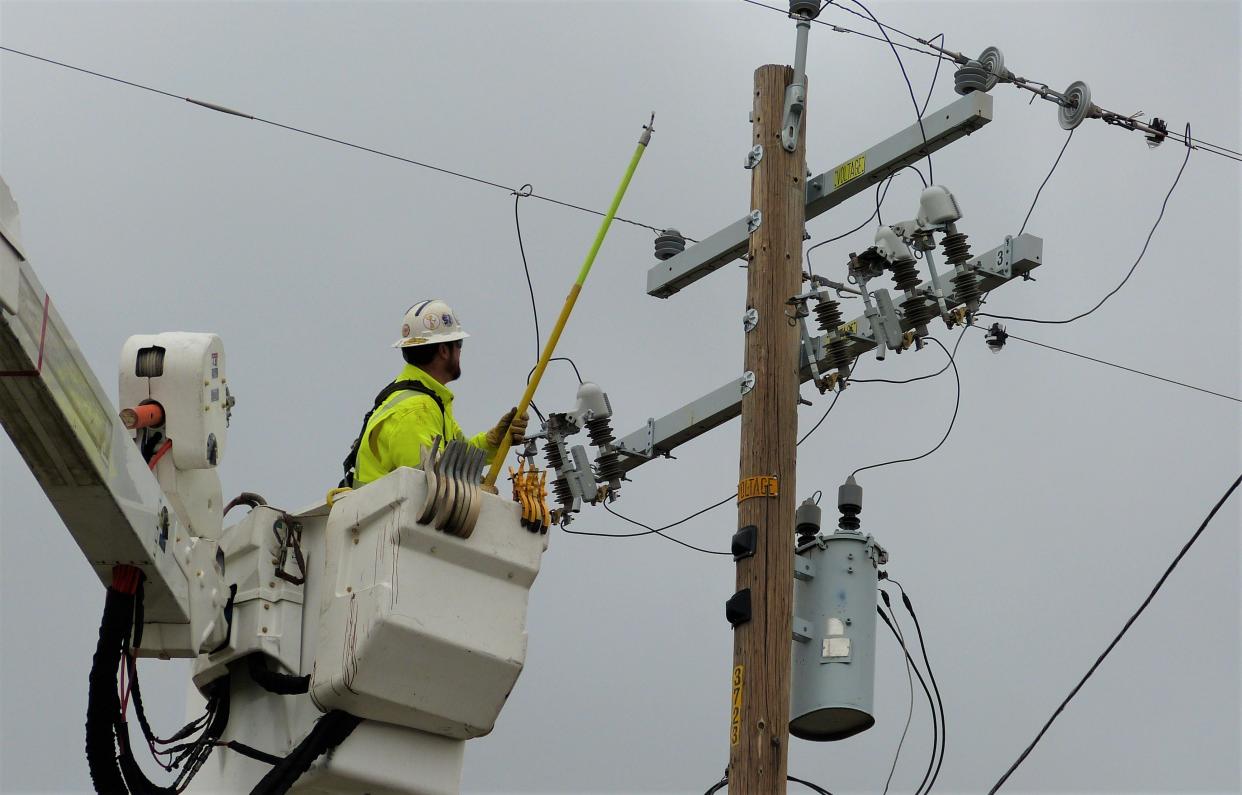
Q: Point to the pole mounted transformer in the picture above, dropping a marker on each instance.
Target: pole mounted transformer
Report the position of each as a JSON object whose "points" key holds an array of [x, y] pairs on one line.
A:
{"points": [[836, 577]]}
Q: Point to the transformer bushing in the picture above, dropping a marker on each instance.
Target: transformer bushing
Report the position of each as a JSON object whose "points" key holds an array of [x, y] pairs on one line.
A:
{"points": [[833, 684], [669, 244]]}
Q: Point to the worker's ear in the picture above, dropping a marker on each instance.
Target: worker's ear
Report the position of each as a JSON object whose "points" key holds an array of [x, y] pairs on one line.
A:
{"points": [[445, 352]]}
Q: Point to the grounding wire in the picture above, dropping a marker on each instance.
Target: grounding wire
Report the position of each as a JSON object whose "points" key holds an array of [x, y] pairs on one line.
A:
{"points": [[931, 703], [944, 733], [1129, 622], [1011, 336], [342, 142], [1055, 163], [957, 402], [1163, 205], [909, 712]]}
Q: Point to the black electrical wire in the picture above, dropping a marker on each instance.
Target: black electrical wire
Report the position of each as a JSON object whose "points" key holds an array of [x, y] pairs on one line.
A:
{"points": [[342, 142], [1114, 291], [935, 75], [649, 530], [839, 29], [931, 703], [566, 359], [1055, 163], [831, 405], [880, 199], [944, 732], [947, 365], [813, 787], [724, 782], [957, 402], [901, 639], [329, 731], [909, 86], [1129, 622], [1011, 336], [526, 190]]}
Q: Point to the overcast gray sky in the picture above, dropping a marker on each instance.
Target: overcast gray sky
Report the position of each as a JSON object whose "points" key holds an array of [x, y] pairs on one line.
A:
{"points": [[1026, 541]]}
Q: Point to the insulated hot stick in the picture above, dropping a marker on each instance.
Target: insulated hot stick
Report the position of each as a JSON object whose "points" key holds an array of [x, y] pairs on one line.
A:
{"points": [[549, 347]]}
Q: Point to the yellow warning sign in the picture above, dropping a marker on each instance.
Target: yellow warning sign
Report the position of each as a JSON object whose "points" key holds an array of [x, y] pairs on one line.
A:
{"points": [[850, 169], [735, 725], [758, 486]]}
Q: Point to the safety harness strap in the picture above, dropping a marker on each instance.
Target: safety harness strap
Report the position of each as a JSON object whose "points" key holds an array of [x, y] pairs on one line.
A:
{"points": [[351, 461]]}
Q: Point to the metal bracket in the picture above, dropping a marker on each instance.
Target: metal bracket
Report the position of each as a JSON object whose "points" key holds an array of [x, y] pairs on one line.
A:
{"points": [[754, 156], [754, 221], [750, 319], [803, 570], [748, 381], [801, 630]]}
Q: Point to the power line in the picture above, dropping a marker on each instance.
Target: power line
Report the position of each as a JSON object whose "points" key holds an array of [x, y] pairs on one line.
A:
{"points": [[655, 530], [1012, 336], [340, 141], [957, 402], [1129, 622], [905, 599], [909, 87], [1041, 90], [909, 712], [1052, 170], [931, 703], [1114, 291]]}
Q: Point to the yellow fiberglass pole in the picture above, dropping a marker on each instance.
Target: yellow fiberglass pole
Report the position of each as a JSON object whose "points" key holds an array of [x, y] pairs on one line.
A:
{"points": [[550, 346]]}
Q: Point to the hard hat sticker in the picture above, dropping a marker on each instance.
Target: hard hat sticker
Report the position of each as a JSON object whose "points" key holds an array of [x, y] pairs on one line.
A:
{"points": [[431, 322], [448, 319]]}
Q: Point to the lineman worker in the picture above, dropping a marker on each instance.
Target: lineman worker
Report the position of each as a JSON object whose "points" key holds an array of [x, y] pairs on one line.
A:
{"points": [[417, 406]]}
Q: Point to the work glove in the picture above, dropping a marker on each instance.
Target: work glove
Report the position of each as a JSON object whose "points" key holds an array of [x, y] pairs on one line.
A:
{"points": [[515, 426]]}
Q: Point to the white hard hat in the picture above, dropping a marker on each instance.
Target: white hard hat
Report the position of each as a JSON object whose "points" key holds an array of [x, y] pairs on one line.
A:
{"points": [[429, 322]]}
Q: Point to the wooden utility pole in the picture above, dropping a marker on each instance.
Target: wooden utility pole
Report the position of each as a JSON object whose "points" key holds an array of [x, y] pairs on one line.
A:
{"points": [[761, 646]]}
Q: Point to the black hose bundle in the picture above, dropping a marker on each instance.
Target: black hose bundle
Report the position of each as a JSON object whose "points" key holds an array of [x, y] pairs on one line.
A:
{"points": [[329, 731], [109, 753], [273, 682]]}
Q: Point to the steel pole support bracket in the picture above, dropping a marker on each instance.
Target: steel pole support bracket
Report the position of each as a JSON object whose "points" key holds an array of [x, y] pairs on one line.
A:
{"points": [[748, 382], [754, 156], [754, 221]]}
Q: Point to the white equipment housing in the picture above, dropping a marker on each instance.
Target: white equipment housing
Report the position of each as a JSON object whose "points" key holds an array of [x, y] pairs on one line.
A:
{"points": [[184, 373], [420, 632], [417, 627]]}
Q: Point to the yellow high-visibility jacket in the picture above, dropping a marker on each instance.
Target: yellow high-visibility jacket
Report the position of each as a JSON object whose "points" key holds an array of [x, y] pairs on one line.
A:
{"points": [[404, 423]]}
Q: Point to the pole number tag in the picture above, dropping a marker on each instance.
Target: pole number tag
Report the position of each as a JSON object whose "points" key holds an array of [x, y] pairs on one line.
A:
{"points": [[757, 486], [735, 722]]}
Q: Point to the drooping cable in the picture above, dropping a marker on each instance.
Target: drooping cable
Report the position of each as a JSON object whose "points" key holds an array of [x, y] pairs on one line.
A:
{"points": [[931, 703], [1012, 336], [330, 139], [1055, 163], [724, 782], [957, 402], [944, 732], [1125, 628], [526, 190], [660, 531], [909, 86], [1163, 205]]}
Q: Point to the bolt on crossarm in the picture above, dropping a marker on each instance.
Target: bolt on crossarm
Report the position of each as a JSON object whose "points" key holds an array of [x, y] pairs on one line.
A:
{"points": [[550, 346]]}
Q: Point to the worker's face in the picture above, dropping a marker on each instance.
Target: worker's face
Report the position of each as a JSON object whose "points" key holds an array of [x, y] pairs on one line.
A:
{"points": [[453, 364]]}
